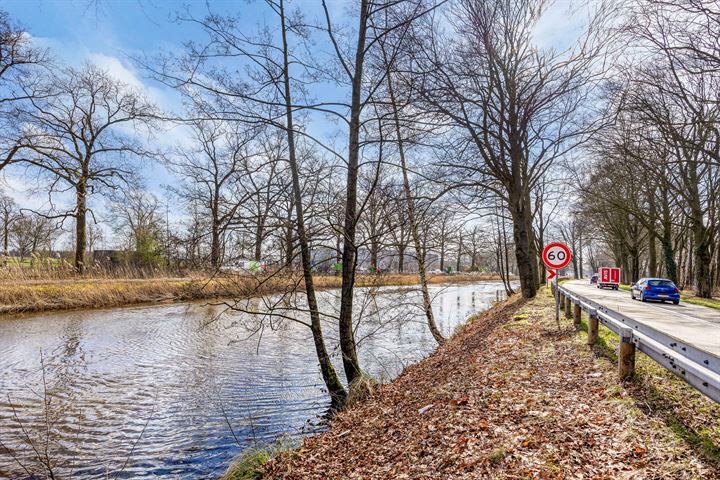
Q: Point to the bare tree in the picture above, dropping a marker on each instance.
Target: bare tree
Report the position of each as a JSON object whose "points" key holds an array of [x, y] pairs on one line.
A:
{"points": [[673, 95], [75, 134], [264, 185], [571, 233], [337, 392], [372, 27], [400, 234], [515, 108], [396, 109], [376, 222], [502, 246], [613, 202], [137, 217], [476, 240], [30, 233], [213, 174], [354, 72], [18, 60], [271, 94], [9, 213]]}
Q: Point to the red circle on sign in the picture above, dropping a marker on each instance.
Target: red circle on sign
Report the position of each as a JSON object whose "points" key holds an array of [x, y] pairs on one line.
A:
{"points": [[556, 255]]}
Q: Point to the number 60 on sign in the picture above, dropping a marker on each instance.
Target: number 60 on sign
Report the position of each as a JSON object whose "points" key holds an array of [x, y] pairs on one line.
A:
{"points": [[556, 255]]}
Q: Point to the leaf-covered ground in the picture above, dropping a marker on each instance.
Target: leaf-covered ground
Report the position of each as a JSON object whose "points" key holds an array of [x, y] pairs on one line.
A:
{"points": [[510, 397]]}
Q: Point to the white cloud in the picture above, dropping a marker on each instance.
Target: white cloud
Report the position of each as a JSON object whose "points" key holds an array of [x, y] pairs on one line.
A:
{"points": [[117, 69], [20, 185], [126, 73], [76, 54]]}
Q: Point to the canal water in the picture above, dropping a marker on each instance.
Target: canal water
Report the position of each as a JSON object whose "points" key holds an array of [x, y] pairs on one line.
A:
{"points": [[178, 391]]}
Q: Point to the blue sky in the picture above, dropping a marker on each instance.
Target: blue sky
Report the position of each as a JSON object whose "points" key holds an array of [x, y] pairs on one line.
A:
{"points": [[108, 32], [117, 25]]}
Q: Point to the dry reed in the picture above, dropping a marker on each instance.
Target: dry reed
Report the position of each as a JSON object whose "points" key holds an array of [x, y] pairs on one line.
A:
{"points": [[44, 294]]}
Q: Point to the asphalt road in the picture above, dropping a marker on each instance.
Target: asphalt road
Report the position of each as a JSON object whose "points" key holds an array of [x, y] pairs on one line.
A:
{"points": [[694, 324]]}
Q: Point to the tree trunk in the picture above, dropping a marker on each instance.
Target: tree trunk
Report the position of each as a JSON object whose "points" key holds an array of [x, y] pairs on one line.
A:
{"points": [[580, 254], [652, 256], [666, 240], [442, 248], [680, 262], [717, 265], [575, 261], [526, 270], [374, 253], [427, 302], [345, 322], [80, 226], [335, 388], [634, 266], [534, 258], [703, 259], [401, 258], [459, 256], [289, 246], [506, 260], [259, 233], [338, 255], [215, 245], [652, 233], [6, 238], [542, 270], [626, 275], [689, 257]]}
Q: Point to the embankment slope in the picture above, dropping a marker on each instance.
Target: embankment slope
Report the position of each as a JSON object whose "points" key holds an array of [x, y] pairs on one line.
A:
{"points": [[514, 398]]}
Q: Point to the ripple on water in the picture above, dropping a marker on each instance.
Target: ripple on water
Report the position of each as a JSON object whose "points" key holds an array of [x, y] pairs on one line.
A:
{"points": [[173, 391]]}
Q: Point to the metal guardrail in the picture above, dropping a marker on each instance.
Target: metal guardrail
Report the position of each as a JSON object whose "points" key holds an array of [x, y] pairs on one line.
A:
{"points": [[697, 367]]}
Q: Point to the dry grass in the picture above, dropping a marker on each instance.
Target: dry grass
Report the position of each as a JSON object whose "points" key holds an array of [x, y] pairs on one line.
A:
{"points": [[82, 292], [14, 269]]}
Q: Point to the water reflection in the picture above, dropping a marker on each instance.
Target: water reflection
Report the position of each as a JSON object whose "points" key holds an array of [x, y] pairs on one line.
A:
{"points": [[179, 390]]}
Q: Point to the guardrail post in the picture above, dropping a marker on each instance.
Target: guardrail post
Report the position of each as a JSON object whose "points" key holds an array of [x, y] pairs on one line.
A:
{"points": [[695, 366], [592, 327], [626, 354], [577, 314], [568, 307]]}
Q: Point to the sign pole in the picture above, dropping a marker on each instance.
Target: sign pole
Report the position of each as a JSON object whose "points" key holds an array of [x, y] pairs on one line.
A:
{"points": [[557, 299]]}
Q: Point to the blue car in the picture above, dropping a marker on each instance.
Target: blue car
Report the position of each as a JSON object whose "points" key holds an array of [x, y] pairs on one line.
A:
{"points": [[660, 289]]}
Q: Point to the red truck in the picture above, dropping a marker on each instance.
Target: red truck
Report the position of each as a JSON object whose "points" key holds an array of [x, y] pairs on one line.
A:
{"points": [[609, 277]]}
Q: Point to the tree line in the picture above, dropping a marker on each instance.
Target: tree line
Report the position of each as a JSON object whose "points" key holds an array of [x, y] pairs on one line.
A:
{"points": [[651, 193]]}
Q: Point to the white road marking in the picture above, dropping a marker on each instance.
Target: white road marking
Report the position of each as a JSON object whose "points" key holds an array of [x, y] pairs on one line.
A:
{"points": [[674, 309]]}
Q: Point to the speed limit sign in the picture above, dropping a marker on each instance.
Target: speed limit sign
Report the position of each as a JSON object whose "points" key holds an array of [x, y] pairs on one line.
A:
{"points": [[556, 255]]}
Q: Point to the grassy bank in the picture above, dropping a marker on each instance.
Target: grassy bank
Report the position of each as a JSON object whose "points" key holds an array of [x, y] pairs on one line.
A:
{"points": [[689, 297], [50, 294], [510, 396]]}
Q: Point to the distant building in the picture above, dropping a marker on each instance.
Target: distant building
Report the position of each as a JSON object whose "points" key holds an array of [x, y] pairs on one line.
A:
{"points": [[245, 265], [109, 258]]}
